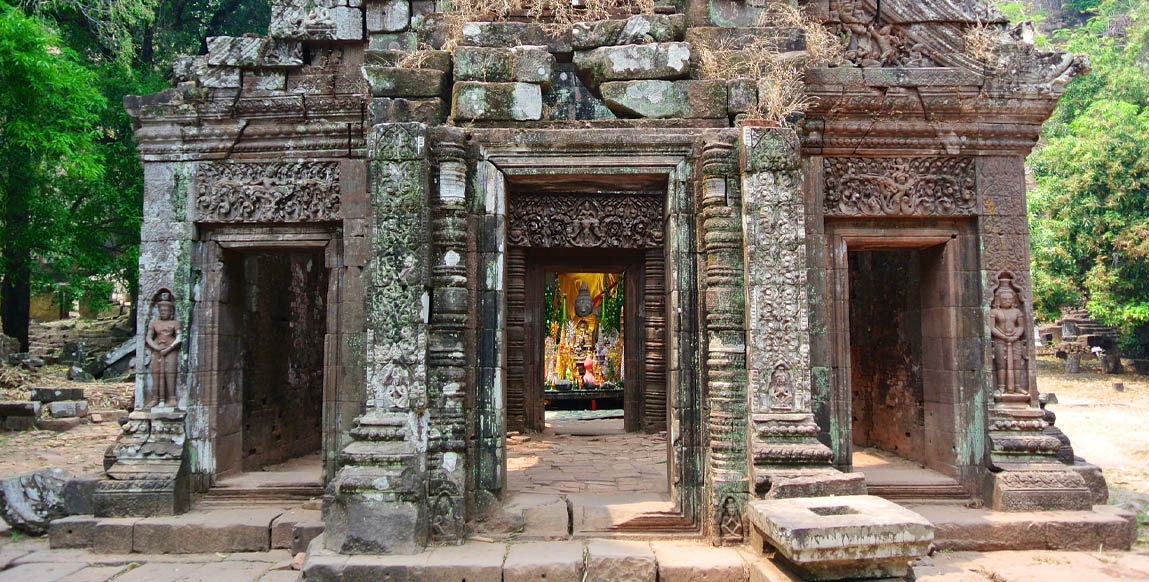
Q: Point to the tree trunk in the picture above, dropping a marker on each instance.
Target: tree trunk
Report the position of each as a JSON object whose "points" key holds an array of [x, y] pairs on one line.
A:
{"points": [[16, 290]]}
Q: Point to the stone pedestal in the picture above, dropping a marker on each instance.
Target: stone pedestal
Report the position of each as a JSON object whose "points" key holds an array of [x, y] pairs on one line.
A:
{"points": [[835, 538], [145, 468]]}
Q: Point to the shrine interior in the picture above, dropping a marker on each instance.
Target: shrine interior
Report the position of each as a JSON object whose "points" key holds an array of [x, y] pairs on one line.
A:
{"points": [[275, 396]]}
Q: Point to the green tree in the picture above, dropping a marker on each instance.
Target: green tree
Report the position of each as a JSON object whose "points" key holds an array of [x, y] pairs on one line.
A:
{"points": [[49, 113]]}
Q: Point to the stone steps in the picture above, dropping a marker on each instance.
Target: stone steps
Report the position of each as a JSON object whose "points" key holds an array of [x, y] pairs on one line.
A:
{"points": [[900, 492], [958, 528]]}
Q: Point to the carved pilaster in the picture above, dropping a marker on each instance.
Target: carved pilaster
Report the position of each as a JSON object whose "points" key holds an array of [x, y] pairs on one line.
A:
{"points": [[1026, 474], [447, 356], [784, 435], [725, 339], [377, 501]]}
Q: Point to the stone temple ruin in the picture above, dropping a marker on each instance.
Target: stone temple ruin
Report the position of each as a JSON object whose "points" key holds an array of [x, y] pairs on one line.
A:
{"points": [[355, 248]]}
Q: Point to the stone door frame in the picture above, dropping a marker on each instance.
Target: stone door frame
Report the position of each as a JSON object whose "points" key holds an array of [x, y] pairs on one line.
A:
{"points": [[505, 155], [209, 382], [954, 398]]}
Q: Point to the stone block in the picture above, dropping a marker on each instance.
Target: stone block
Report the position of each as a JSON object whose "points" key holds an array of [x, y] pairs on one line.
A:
{"points": [[348, 22], [234, 530], [396, 41], [114, 416], [74, 531], [264, 80], [68, 408], [667, 99], [388, 16], [537, 515], [114, 535], [399, 82], [283, 526], [245, 51], [526, 64], [662, 60], [742, 96], [303, 533], [500, 34], [356, 524], [550, 561], [835, 538], [962, 529], [431, 111], [813, 483], [470, 562], [785, 39], [1056, 487], [682, 562], [53, 394], [1094, 480], [438, 60], [78, 493], [620, 561], [59, 424], [496, 101], [638, 29]]}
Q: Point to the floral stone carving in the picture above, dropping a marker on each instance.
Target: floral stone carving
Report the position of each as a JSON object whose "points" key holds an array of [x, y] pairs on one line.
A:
{"points": [[604, 221], [928, 186], [268, 192]]}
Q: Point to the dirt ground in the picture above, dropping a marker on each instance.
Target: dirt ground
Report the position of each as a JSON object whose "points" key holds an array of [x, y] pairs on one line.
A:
{"points": [[1106, 427]]}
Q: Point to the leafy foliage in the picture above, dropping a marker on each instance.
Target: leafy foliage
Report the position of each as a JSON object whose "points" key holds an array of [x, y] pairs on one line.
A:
{"points": [[1089, 211]]}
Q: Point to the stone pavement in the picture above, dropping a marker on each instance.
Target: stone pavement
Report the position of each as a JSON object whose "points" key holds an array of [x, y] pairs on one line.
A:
{"points": [[597, 458]]}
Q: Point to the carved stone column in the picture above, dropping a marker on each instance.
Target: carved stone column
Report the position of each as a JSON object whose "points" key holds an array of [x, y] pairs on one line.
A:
{"points": [[377, 502], [447, 356], [726, 338], [783, 437], [1025, 472]]}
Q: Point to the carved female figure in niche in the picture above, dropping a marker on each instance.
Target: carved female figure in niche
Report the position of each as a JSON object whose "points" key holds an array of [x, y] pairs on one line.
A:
{"points": [[1007, 328], [781, 393], [163, 341]]}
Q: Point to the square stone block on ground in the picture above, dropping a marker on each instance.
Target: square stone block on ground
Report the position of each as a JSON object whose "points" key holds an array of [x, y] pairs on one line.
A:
{"points": [[74, 531], [834, 538], [470, 562], [283, 527], [620, 561], [550, 561], [698, 562]]}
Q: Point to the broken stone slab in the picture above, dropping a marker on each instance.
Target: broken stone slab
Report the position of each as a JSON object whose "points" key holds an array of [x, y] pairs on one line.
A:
{"points": [[835, 538], [437, 60], [246, 51], [661, 60], [638, 29], [53, 394], [497, 101], [524, 64], [30, 501], [388, 16], [550, 561], [432, 110], [620, 561], [399, 82], [68, 408], [667, 99], [685, 562]]}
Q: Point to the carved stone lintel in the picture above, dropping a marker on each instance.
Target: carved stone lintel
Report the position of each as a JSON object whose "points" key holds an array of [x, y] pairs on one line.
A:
{"points": [[305, 191], [933, 186], [586, 221]]}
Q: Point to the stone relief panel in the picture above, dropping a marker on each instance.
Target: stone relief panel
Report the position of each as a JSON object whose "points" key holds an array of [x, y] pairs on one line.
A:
{"points": [[268, 192], [603, 221], [927, 186]]}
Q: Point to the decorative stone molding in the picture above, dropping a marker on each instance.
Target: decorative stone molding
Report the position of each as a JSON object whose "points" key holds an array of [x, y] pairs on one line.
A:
{"points": [[927, 186], [586, 221], [725, 337], [146, 475], [784, 435], [306, 191]]}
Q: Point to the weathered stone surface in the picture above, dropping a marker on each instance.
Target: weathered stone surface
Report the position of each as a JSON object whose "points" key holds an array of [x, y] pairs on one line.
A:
{"points": [[114, 535], [59, 424], [429, 59], [620, 561], [264, 80], [396, 41], [74, 531], [316, 20], [68, 408], [737, 38], [537, 515], [497, 101], [53, 394], [473, 562], [961, 529], [30, 501], [431, 110], [638, 29], [233, 530], [742, 96], [1094, 480], [388, 16], [282, 528], [550, 561], [18, 414], [399, 82], [684, 562], [1044, 488], [78, 493], [504, 34], [253, 52], [527, 64], [816, 483], [834, 538], [663, 60], [667, 99]]}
